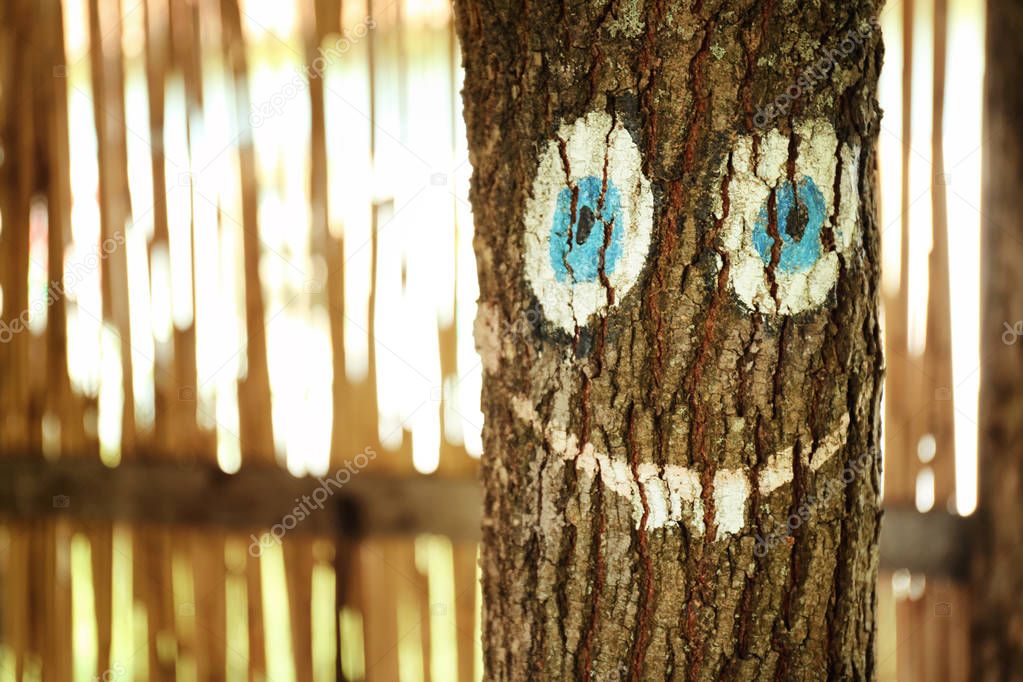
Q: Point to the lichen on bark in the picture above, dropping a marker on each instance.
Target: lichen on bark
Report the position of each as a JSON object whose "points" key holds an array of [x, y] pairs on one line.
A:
{"points": [[677, 386]]}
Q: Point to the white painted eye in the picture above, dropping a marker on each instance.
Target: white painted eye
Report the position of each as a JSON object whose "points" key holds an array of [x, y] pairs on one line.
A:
{"points": [[588, 221], [806, 271]]}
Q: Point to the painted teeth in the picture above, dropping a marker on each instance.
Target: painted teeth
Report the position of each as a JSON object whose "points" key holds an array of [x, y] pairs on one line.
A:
{"points": [[673, 494]]}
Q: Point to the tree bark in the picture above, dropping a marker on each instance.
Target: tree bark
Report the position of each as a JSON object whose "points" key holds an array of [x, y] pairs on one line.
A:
{"points": [[679, 331], [998, 583], [680, 473]]}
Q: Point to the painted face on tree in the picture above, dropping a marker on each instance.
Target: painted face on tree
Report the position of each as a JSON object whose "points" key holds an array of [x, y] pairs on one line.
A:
{"points": [[775, 227], [587, 222]]}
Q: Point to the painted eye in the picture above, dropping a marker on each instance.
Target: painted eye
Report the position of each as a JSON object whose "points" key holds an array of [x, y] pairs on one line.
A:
{"points": [[577, 247], [800, 216], [588, 220], [806, 272]]}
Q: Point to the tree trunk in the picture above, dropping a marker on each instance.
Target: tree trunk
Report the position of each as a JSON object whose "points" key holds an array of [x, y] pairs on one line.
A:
{"points": [[678, 260], [998, 583]]}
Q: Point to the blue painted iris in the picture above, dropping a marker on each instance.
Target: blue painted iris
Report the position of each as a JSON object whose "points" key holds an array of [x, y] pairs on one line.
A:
{"points": [[799, 252], [580, 256]]}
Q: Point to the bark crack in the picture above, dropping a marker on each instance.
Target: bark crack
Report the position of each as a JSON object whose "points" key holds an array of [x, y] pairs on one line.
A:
{"points": [[647, 592]]}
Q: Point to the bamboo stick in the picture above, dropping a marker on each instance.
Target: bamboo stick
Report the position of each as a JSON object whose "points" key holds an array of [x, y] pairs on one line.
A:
{"points": [[944, 632], [17, 614], [57, 647], [257, 644], [254, 391], [900, 460], [210, 580], [156, 22], [114, 197], [298, 571], [938, 352], [186, 51], [380, 609], [59, 398], [465, 607], [17, 178]]}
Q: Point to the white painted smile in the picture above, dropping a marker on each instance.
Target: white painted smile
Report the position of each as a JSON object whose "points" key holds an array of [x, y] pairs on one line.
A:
{"points": [[674, 495]]}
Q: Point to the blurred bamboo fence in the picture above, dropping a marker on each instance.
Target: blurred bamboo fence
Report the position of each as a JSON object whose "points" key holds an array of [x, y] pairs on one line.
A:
{"points": [[167, 168], [236, 256], [934, 58]]}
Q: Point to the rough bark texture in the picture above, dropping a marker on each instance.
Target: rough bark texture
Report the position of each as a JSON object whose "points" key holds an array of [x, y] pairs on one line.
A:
{"points": [[585, 574], [998, 582]]}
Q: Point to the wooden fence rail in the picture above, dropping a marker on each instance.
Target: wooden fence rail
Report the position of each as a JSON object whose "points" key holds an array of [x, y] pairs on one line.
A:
{"points": [[257, 497], [935, 543]]}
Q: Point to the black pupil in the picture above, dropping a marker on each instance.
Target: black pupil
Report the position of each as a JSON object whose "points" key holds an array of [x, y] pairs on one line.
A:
{"points": [[585, 225], [798, 219]]}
